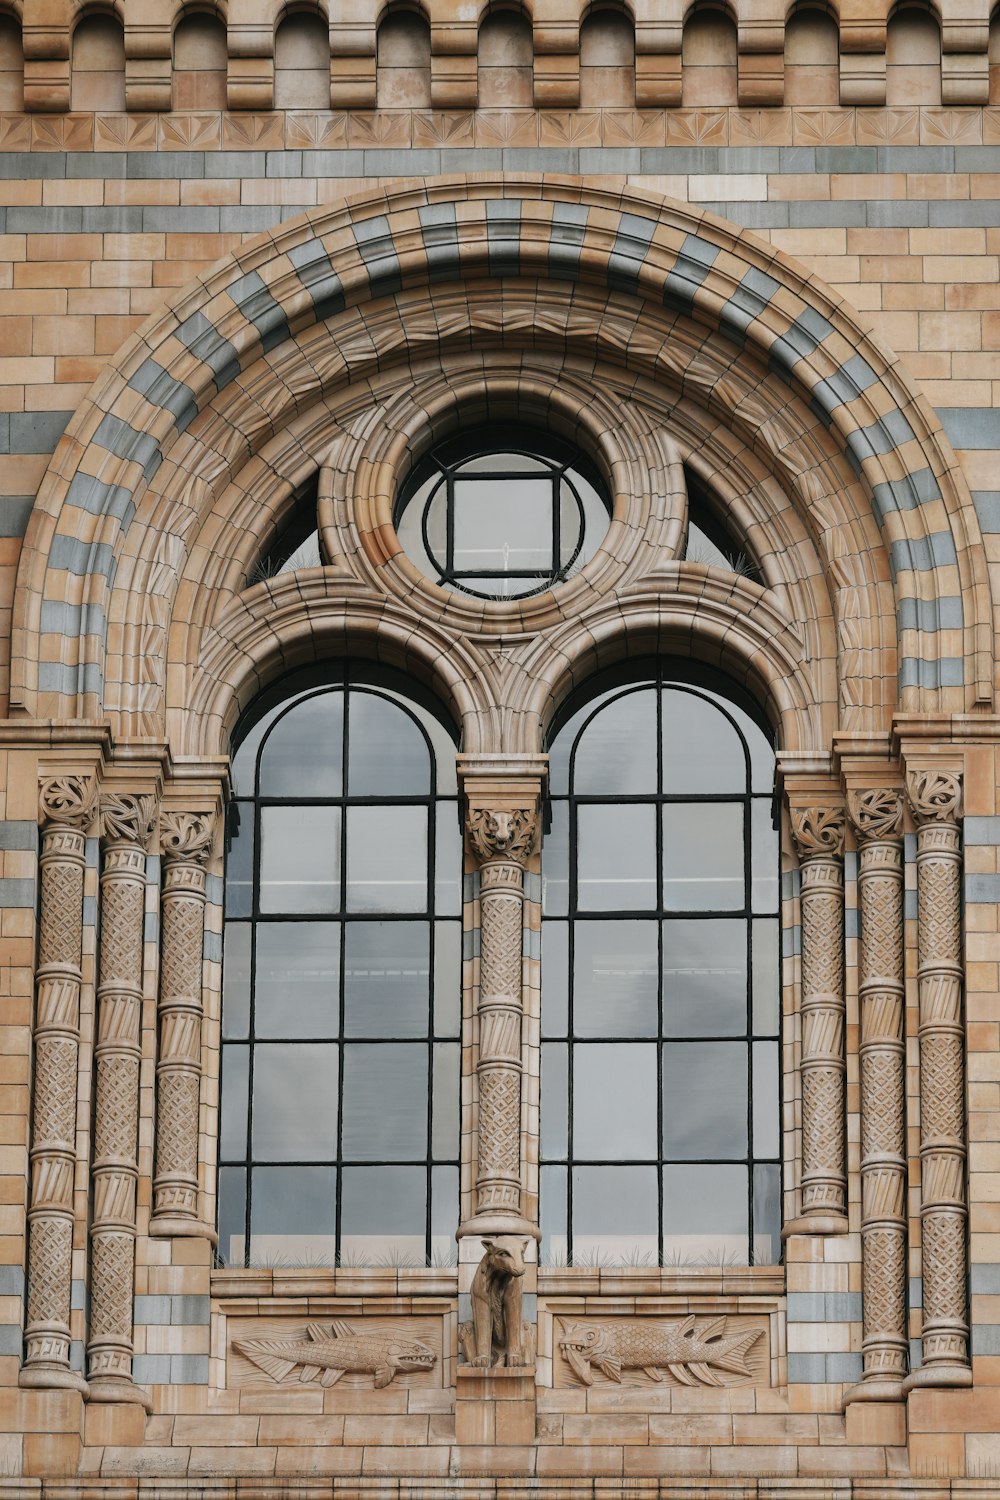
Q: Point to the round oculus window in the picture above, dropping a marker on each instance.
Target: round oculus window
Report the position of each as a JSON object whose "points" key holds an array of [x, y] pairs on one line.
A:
{"points": [[502, 513]]}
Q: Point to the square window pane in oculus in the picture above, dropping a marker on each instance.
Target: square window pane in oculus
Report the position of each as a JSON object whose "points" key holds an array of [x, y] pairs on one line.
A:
{"points": [[232, 1215], [766, 975], [236, 980], [614, 1101], [705, 1212], [387, 754], [386, 979], [294, 1102], [387, 859], [703, 856], [410, 525], [303, 755], [385, 1101], [447, 978], [383, 1216], [503, 525], [293, 1215], [445, 1101], [616, 857], [705, 977], [617, 751], [615, 1215], [766, 1214], [764, 866], [239, 859], [297, 987], [704, 1100], [702, 753], [300, 859], [615, 976], [235, 1103]]}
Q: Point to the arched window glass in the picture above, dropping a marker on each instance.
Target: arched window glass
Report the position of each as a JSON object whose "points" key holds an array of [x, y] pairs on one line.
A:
{"points": [[660, 1016], [342, 980]]}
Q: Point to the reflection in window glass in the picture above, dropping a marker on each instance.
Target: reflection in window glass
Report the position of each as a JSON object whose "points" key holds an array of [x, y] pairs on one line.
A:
{"points": [[660, 1054], [340, 1107]]}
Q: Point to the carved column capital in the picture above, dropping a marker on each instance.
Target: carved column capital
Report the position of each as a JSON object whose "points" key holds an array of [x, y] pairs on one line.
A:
{"points": [[818, 831], [501, 832], [876, 813], [186, 836], [934, 796], [127, 817], [67, 800]]}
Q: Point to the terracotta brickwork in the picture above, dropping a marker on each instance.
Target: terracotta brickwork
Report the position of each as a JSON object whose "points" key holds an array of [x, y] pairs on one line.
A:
{"points": [[752, 254]]}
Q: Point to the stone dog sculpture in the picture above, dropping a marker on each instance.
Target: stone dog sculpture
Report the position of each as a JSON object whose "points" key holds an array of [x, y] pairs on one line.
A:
{"points": [[495, 1335]]}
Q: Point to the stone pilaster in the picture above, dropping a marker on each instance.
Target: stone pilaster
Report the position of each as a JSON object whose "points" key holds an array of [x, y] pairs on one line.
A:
{"points": [[66, 807], [877, 816], [186, 844], [126, 820], [818, 832], [935, 797]]}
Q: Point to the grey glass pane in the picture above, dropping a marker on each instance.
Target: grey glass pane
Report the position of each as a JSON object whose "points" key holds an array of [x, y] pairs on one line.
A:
{"points": [[766, 976], [239, 859], [297, 990], [385, 1101], [515, 463], [616, 857], [236, 980], [234, 1109], [383, 1216], [293, 1215], [387, 755], [562, 745], [615, 979], [503, 524], [303, 754], [436, 522], [765, 1099], [232, 1215], [704, 1100], [570, 523], [445, 1099], [700, 549], [705, 977], [447, 978], [554, 1093], [300, 859], [553, 1216], [447, 861], [705, 1211], [767, 1214], [409, 527], [614, 1101], [702, 752], [387, 859], [595, 519], [614, 1215], [444, 1215], [617, 750], [703, 856], [760, 748], [555, 978], [555, 863], [763, 857], [386, 978], [294, 1102], [243, 766]]}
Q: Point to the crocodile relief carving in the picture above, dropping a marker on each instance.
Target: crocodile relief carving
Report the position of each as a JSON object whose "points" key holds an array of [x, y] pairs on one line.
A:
{"points": [[692, 1353], [329, 1350]]}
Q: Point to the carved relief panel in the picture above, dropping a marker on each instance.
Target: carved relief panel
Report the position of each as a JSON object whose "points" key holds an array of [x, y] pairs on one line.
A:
{"points": [[325, 1345]]}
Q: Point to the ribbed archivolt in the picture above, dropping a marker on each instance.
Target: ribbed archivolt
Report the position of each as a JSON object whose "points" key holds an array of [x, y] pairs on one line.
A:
{"points": [[935, 800], [126, 825], [66, 807]]}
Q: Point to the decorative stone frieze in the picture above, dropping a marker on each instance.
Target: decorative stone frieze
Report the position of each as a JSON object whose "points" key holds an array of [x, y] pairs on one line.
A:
{"points": [[66, 807], [819, 837], [877, 818], [935, 798], [186, 845], [126, 824]]}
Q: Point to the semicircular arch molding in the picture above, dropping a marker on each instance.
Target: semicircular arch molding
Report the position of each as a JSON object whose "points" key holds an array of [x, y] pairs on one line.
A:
{"points": [[647, 287]]}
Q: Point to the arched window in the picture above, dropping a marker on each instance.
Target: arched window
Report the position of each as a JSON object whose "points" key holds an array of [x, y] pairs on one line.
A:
{"points": [[200, 62], [607, 60], [98, 67], [342, 984], [302, 62], [660, 1017]]}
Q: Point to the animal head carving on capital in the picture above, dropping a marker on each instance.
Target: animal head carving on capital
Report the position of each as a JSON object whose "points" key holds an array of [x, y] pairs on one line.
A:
{"points": [[501, 833]]}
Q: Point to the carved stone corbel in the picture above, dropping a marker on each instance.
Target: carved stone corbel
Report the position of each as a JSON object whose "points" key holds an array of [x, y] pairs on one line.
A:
{"points": [[185, 844], [935, 799], [66, 808], [819, 837], [126, 824], [877, 818]]}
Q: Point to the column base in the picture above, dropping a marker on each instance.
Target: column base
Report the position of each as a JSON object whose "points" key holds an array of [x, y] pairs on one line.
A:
{"points": [[483, 1224], [939, 1377], [118, 1390], [878, 1388], [816, 1224], [495, 1407], [168, 1228], [51, 1378]]}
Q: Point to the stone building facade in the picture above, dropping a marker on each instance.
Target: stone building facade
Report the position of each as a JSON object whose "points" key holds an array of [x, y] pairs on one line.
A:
{"points": [[259, 267]]}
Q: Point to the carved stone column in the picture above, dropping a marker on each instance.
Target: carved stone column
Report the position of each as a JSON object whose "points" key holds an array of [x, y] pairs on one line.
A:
{"points": [[819, 838], [126, 826], [185, 843], [935, 800], [877, 817], [66, 807]]}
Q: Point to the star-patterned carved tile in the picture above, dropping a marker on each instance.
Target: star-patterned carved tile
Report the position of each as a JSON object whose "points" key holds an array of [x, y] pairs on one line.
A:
{"points": [[823, 127], [380, 127], [991, 127], [569, 127], [440, 127], [697, 127], [760, 127], [888, 127], [951, 127], [506, 127], [634, 127], [15, 133], [62, 133], [190, 132], [125, 132], [315, 131], [255, 132]]}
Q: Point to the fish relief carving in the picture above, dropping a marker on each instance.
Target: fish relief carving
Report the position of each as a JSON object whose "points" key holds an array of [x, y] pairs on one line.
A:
{"points": [[693, 1355], [329, 1351]]}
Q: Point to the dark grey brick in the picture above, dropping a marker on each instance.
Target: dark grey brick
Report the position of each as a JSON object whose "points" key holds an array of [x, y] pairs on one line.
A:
{"points": [[283, 164], [189, 1309], [985, 1279], [189, 1369], [847, 159], [251, 220], [54, 220], [971, 426], [987, 503], [155, 164], [404, 162], [749, 159], [977, 213], [18, 893], [36, 431], [181, 220], [536, 159], [886, 213], [752, 215], [471, 159], [333, 163], [661, 160], [804, 1369], [982, 888], [976, 159], [842, 213], [233, 163], [604, 159], [845, 1368], [985, 1338], [797, 158], [49, 164], [122, 219], [917, 159]]}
